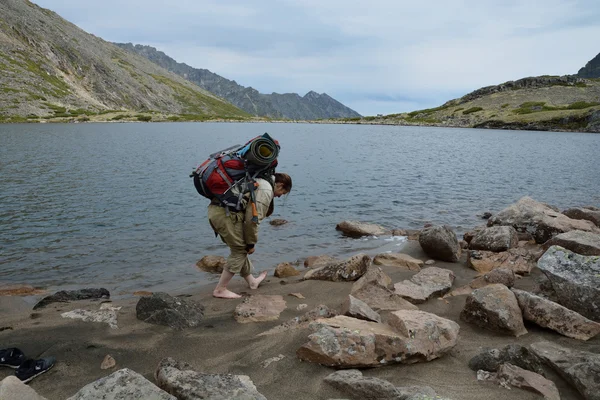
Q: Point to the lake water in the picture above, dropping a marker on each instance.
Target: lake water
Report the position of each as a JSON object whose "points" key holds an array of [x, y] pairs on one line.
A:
{"points": [[89, 205]]}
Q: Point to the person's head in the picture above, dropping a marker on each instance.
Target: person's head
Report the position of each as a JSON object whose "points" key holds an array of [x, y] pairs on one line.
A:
{"points": [[283, 184]]}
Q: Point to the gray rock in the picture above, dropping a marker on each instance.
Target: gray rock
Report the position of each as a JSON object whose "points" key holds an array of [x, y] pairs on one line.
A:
{"points": [[512, 375], [503, 276], [123, 384], [11, 388], [575, 280], [356, 308], [494, 307], [468, 236], [374, 289], [440, 243], [520, 261], [580, 368], [212, 264], [64, 296], [580, 242], [540, 220], [495, 238], [259, 308], [107, 314], [180, 379], [175, 312], [430, 282], [515, 354], [548, 314], [352, 383], [321, 311], [584, 213], [359, 229], [349, 270]]}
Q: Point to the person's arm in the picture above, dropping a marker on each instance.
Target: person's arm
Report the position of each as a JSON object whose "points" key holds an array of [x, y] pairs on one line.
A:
{"points": [[264, 196]]}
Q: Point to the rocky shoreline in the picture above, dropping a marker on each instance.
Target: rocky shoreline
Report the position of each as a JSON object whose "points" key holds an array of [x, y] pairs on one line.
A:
{"points": [[516, 304]]}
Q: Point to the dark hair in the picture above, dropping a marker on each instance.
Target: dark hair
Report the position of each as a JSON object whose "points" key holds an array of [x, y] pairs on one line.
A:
{"points": [[284, 179]]}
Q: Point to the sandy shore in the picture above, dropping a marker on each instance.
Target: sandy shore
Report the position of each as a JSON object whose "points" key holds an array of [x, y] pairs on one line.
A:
{"points": [[221, 345]]}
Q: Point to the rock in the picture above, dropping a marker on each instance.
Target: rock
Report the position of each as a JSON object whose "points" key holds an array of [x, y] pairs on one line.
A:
{"points": [[212, 264], [321, 311], [278, 222], [486, 215], [11, 388], [181, 380], [585, 214], [297, 295], [108, 362], [123, 384], [580, 242], [285, 270], [517, 260], [271, 360], [495, 238], [349, 270], [356, 308], [428, 336], [65, 296], [373, 289], [352, 343], [353, 383], [512, 375], [580, 368], [440, 243], [492, 359], [494, 307], [463, 244], [548, 314], [107, 314], [20, 290], [540, 220], [259, 308], [429, 262], [498, 275], [358, 229], [175, 312], [468, 236], [301, 307], [575, 280], [320, 261], [398, 260], [430, 282]]}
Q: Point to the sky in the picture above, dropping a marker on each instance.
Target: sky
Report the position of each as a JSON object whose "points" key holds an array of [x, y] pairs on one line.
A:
{"points": [[376, 57]]}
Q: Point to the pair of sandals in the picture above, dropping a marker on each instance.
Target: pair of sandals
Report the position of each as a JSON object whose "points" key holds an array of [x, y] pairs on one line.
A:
{"points": [[26, 369]]}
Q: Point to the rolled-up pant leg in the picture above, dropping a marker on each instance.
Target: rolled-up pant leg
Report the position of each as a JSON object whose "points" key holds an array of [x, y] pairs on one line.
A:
{"points": [[231, 230]]}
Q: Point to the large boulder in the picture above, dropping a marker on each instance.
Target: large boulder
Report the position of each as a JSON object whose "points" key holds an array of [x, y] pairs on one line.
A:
{"points": [[399, 260], [175, 312], [430, 282], [580, 368], [212, 264], [181, 380], [12, 388], [548, 314], [575, 280], [352, 383], [356, 308], [358, 229], [540, 220], [349, 270], [498, 275], [285, 270], [468, 236], [123, 384], [584, 213], [494, 307], [520, 261], [374, 289], [64, 296], [492, 359], [580, 242], [441, 243], [495, 238], [259, 308], [346, 342]]}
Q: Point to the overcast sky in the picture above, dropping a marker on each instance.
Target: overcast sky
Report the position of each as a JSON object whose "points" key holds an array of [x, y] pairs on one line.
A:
{"points": [[376, 56]]}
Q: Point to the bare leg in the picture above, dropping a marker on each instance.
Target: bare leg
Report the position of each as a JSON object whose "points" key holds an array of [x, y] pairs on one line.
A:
{"points": [[254, 282], [221, 290]]}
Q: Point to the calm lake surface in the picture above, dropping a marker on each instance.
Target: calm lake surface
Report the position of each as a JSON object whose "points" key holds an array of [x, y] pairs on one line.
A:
{"points": [[89, 205]]}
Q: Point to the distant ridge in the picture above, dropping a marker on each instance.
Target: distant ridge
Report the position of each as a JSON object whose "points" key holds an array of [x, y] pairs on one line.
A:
{"points": [[289, 105], [591, 69]]}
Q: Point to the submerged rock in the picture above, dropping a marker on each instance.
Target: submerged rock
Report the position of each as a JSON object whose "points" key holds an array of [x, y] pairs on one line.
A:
{"points": [[175, 312], [64, 296], [359, 229], [183, 381], [349, 270], [440, 243]]}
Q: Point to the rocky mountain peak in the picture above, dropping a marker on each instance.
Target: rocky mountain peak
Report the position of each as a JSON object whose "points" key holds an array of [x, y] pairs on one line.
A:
{"points": [[591, 69]]}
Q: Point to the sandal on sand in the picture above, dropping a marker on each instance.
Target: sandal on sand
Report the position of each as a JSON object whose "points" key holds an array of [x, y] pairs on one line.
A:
{"points": [[32, 368], [11, 357]]}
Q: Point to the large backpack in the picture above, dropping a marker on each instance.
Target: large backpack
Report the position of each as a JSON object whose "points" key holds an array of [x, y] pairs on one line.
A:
{"points": [[230, 174]]}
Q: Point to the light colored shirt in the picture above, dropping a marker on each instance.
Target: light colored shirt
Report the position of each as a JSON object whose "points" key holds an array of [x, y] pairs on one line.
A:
{"points": [[264, 196]]}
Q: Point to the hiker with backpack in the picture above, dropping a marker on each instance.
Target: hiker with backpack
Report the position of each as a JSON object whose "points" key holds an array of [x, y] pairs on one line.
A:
{"points": [[241, 183]]}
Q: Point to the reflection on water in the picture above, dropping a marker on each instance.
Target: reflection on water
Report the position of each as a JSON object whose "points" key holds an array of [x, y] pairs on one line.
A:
{"points": [[112, 204]]}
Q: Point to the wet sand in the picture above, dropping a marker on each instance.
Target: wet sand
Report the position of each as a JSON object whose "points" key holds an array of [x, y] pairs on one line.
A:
{"points": [[221, 345]]}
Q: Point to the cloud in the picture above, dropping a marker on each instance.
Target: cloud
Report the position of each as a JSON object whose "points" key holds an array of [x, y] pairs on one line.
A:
{"points": [[372, 56]]}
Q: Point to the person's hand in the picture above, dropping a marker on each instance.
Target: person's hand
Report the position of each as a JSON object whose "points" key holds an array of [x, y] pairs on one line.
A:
{"points": [[251, 251], [250, 248]]}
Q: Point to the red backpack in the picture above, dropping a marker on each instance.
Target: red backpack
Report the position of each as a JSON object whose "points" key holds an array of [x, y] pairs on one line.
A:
{"points": [[231, 173]]}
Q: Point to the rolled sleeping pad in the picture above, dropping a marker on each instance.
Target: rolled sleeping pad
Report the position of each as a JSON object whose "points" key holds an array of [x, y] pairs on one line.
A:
{"points": [[262, 151]]}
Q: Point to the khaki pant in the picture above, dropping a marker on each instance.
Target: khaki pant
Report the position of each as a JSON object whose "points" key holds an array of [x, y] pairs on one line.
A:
{"points": [[231, 230]]}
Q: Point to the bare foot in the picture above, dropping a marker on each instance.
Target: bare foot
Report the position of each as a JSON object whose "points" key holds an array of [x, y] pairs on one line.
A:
{"points": [[224, 293], [255, 282]]}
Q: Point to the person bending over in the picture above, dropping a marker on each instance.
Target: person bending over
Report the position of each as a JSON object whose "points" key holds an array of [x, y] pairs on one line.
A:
{"points": [[237, 231]]}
